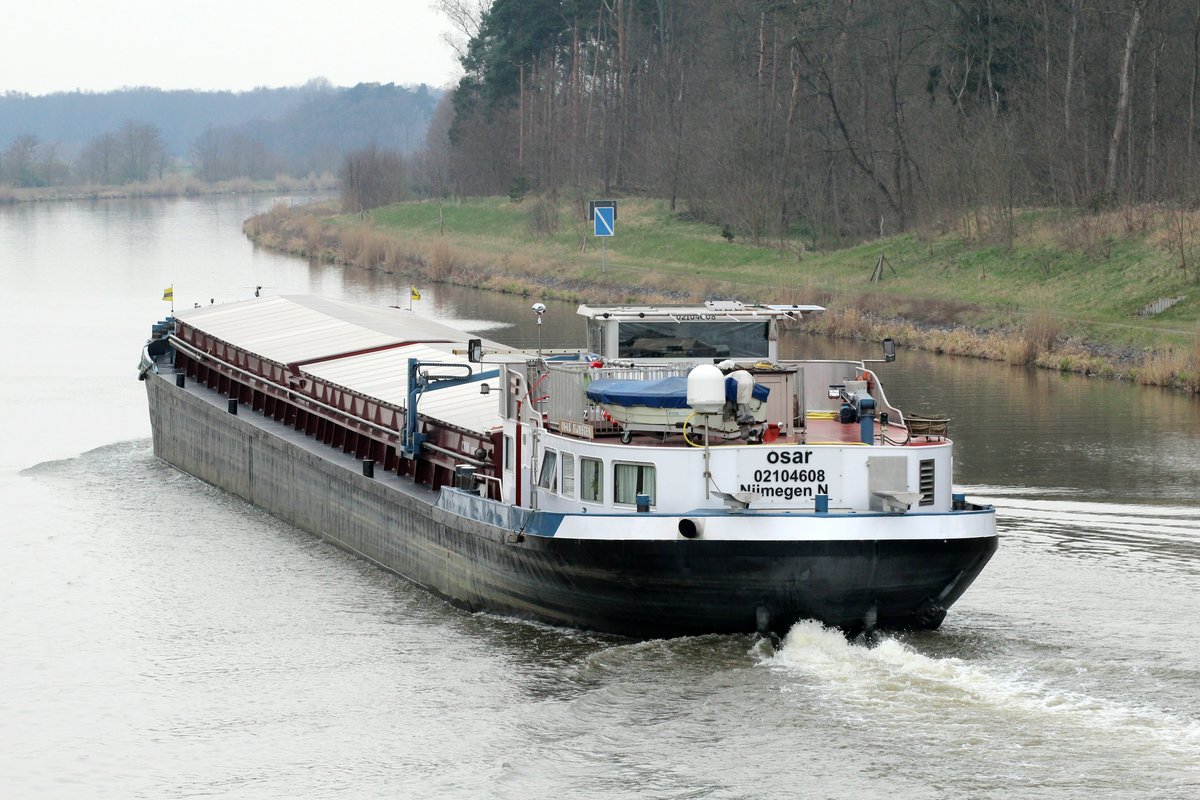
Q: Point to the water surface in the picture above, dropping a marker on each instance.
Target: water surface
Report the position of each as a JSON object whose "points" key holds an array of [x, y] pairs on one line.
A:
{"points": [[160, 638]]}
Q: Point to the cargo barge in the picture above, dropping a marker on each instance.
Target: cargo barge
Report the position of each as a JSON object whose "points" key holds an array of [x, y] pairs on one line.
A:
{"points": [[674, 477]]}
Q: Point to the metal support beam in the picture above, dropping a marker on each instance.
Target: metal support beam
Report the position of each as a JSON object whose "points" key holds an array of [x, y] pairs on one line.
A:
{"points": [[421, 381]]}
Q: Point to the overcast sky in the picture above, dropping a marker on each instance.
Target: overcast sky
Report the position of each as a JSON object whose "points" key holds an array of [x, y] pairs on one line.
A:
{"points": [[62, 45]]}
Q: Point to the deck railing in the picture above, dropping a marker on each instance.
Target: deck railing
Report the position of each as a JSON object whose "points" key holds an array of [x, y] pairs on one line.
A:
{"points": [[565, 390]]}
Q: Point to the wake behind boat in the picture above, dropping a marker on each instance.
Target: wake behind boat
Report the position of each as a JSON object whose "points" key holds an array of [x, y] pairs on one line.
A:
{"points": [[675, 477]]}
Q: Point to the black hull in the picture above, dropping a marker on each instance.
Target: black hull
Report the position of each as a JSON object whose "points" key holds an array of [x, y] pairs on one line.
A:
{"points": [[679, 588], [641, 589]]}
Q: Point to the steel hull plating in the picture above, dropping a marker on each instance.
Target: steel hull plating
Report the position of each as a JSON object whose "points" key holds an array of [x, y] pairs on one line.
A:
{"points": [[635, 588], [649, 589]]}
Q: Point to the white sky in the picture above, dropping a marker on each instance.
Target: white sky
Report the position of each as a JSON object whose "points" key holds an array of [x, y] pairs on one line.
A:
{"points": [[97, 45]]}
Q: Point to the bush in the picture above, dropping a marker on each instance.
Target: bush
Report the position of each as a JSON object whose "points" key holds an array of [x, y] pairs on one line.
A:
{"points": [[1039, 336], [543, 218], [518, 187], [442, 262]]}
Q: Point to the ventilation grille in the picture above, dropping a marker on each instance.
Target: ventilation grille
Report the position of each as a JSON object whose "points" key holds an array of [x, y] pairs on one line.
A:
{"points": [[927, 482]]}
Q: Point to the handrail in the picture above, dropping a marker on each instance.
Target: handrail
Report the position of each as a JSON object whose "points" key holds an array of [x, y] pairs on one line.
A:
{"points": [[460, 456], [287, 390]]}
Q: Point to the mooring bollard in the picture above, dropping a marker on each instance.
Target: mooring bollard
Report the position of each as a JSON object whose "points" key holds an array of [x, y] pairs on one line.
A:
{"points": [[180, 378], [369, 467], [233, 406]]}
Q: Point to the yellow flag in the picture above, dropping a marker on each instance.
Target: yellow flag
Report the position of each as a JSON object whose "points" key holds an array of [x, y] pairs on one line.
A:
{"points": [[415, 294], [169, 293]]}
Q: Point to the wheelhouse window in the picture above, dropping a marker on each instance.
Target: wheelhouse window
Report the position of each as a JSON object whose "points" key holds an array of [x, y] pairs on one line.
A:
{"points": [[630, 480], [689, 339], [568, 475], [591, 479], [595, 337], [549, 474]]}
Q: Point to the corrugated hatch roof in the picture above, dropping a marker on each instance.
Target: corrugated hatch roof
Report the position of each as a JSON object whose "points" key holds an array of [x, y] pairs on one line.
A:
{"points": [[301, 329]]}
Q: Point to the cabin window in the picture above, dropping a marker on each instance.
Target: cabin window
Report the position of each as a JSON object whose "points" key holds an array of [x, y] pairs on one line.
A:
{"points": [[568, 475], [508, 452], [704, 339], [630, 480], [591, 479], [548, 477]]}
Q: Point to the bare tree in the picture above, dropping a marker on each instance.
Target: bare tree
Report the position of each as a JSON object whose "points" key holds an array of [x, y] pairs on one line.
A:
{"points": [[466, 17], [1135, 19], [371, 178], [432, 168], [143, 154], [20, 161], [99, 160]]}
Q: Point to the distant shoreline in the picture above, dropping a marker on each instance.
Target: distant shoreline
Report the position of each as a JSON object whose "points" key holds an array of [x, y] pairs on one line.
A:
{"points": [[170, 186]]}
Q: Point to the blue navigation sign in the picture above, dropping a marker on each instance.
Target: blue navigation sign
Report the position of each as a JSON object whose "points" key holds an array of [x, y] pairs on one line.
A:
{"points": [[605, 222]]}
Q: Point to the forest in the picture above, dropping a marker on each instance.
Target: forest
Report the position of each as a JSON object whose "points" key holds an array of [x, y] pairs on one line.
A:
{"points": [[820, 120], [137, 135]]}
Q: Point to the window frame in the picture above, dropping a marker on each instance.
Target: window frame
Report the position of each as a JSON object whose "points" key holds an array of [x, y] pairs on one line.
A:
{"points": [[548, 478], [643, 468], [564, 459], [584, 494]]}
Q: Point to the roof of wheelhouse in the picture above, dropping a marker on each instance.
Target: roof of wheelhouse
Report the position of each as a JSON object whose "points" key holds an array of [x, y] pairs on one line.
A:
{"points": [[711, 310]]}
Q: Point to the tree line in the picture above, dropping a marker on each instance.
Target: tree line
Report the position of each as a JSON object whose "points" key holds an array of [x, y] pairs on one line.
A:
{"points": [[828, 118], [134, 152], [301, 131]]}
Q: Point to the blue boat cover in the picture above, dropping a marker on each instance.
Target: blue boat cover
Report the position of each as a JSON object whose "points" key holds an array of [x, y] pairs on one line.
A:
{"points": [[661, 393]]}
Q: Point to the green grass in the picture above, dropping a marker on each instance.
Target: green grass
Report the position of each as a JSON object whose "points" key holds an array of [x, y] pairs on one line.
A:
{"points": [[646, 234], [1091, 272]]}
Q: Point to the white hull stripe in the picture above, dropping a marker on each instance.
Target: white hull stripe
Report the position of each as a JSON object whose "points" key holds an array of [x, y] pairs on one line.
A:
{"points": [[774, 527]]}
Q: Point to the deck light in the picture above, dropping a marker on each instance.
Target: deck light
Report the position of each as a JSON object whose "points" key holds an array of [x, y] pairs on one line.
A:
{"points": [[539, 309]]}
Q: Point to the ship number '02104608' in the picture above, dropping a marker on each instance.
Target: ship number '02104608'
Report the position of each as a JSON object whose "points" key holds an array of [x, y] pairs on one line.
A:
{"points": [[779, 473]]}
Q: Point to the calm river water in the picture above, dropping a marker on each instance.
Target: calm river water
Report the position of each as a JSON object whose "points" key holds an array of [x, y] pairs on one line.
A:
{"points": [[161, 639]]}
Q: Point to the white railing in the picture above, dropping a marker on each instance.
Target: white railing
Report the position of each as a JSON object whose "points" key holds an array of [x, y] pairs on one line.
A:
{"points": [[566, 385]]}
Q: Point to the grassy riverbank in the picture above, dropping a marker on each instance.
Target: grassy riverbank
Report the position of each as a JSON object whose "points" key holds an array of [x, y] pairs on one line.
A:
{"points": [[1055, 289]]}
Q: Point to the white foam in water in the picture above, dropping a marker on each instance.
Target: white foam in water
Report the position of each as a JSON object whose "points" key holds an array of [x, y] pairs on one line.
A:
{"points": [[475, 325], [892, 674]]}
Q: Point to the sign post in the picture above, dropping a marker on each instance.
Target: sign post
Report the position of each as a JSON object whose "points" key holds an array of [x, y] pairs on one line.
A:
{"points": [[603, 214]]}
